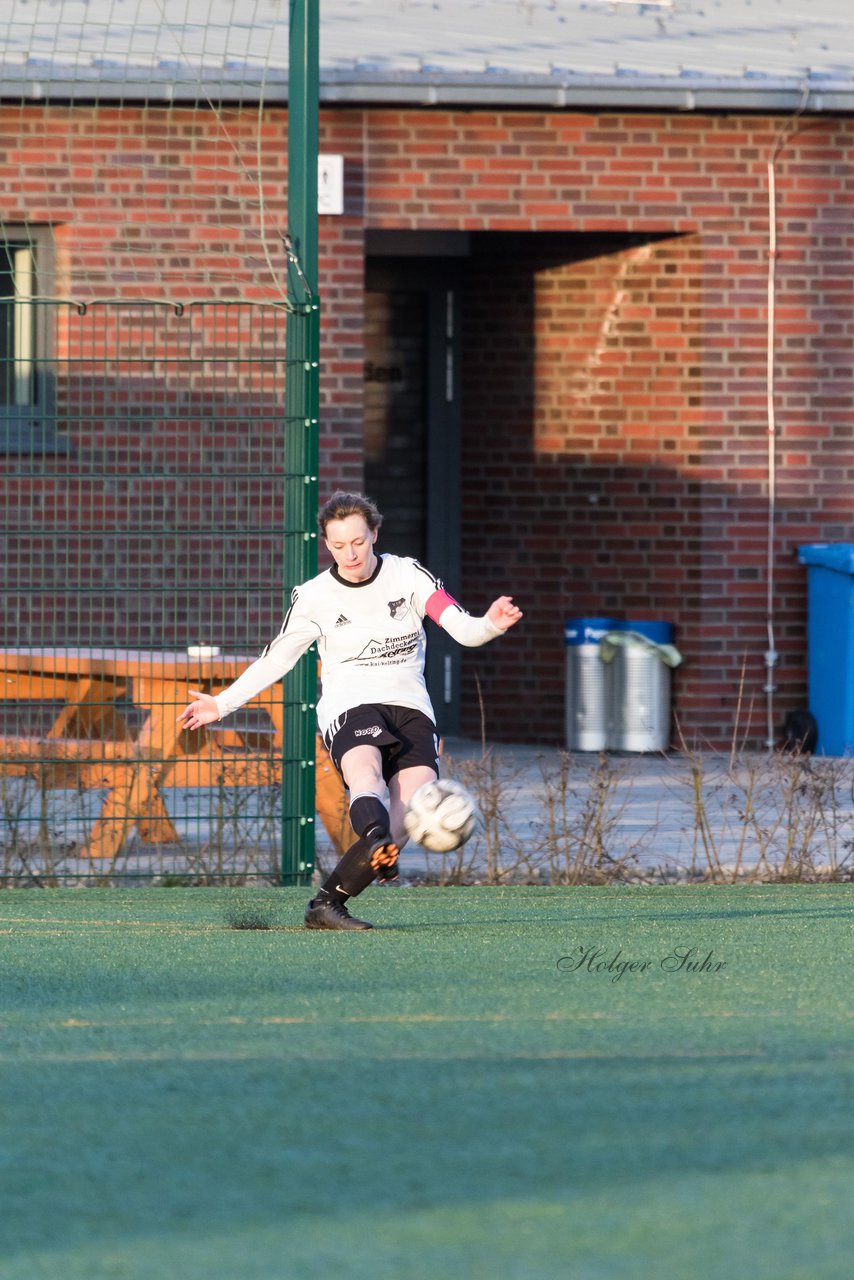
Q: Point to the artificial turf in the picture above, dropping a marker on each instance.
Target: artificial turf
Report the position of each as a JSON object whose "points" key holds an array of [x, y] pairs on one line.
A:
{"points": [[451, 1094]]}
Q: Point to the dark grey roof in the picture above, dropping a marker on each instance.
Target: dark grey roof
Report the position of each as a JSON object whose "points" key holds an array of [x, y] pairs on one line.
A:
{"points": [[682, 54]]}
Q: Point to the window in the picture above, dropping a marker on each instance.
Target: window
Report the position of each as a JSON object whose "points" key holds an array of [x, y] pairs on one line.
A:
{"points": [[17, 331], [26, 408]]}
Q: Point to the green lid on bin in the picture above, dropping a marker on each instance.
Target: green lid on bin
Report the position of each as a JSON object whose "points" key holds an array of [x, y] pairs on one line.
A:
{"points": [[829, 555]]}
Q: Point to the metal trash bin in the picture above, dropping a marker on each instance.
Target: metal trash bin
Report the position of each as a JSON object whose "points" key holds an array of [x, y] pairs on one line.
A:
{"points": [[586, 675], [640, 656], [830, 643]]}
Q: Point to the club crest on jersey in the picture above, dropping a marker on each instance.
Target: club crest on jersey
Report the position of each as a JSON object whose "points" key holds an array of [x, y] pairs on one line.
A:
{"points": [[398, 608]]}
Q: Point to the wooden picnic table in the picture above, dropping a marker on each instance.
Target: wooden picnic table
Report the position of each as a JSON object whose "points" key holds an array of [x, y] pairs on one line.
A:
{"points": [[90, 742]]}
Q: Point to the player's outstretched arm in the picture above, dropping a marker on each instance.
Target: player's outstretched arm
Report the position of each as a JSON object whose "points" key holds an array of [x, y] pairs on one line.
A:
{"points": [[471, 632], [202, 710], [503, 613], [297, 633]]}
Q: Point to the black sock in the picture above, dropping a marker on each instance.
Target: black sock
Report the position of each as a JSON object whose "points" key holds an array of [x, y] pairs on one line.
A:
{"points": [[325, 894], [352, 874], [369, 818]]}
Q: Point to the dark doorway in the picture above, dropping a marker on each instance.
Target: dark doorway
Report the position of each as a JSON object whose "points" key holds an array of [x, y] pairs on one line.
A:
{"points": [[413, 430]]}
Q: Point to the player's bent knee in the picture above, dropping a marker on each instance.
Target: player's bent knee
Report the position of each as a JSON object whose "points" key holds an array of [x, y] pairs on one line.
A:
{"points": [[402, 788], [361, 769], [407, 782]]}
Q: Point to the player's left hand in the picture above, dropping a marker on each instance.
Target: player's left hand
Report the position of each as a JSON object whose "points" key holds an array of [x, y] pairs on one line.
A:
{"points": [[503, 613]]}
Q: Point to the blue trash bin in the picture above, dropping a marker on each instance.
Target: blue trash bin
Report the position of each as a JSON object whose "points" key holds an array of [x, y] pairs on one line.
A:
{"points": [[830, 643]]}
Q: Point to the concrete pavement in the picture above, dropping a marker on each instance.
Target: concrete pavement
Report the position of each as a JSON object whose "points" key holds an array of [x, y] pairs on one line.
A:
{"points": [[651, 817]]}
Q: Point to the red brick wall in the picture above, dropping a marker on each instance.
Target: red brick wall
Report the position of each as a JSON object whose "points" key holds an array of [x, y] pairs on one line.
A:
{"points": [[159, 519], [587, 498], [342, 282], [654, 404], [633, 374], [149, 201]]}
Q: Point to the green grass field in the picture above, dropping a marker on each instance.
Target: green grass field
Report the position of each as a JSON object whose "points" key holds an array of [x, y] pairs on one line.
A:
{"points": [[448, 1095]]}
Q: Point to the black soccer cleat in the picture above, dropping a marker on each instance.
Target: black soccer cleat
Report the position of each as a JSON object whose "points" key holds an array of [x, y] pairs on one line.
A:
{"points": [[328, 914], [384, 854]]}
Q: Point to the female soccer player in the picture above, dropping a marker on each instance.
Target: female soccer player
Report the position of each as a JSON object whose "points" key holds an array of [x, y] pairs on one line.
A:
{"points": [[366, 615]]}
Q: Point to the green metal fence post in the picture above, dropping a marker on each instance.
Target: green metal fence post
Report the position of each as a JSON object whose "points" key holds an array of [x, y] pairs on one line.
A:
{"points": [[302, 406]]}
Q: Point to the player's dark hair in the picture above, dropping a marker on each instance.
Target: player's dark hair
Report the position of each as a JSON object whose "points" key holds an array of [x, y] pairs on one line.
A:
{"points": [[341, 505]]}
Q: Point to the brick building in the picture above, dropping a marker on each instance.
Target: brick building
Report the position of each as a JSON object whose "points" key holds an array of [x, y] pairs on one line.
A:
{"points": [[545, 321]]}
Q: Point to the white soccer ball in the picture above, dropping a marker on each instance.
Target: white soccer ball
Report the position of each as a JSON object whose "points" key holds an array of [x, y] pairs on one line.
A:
{"points": [[441, 815]]}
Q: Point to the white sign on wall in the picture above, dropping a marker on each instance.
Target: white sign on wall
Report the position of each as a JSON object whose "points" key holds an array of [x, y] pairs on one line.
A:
{"points": [[330, 184]]}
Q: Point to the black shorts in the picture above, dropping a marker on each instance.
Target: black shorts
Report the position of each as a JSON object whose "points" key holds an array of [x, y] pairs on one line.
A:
{"points": [[404, 737]]}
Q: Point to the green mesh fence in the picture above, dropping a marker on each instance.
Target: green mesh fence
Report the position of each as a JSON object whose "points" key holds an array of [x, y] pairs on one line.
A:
{"points": [[142, 536], [158, 442]]}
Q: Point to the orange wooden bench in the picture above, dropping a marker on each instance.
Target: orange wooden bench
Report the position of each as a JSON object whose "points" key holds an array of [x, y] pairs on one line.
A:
{"points": [[134, 783], [90, 744]]}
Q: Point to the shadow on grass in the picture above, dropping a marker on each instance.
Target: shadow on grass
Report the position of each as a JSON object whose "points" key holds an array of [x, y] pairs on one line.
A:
{"points": [[131, 1151]]}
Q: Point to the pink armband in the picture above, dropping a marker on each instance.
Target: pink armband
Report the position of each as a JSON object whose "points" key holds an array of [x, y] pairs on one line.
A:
{"points": [[438, 603]]}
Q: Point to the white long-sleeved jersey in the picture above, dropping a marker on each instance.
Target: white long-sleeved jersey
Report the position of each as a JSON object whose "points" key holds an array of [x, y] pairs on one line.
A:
{"points": [[369, 635]]}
